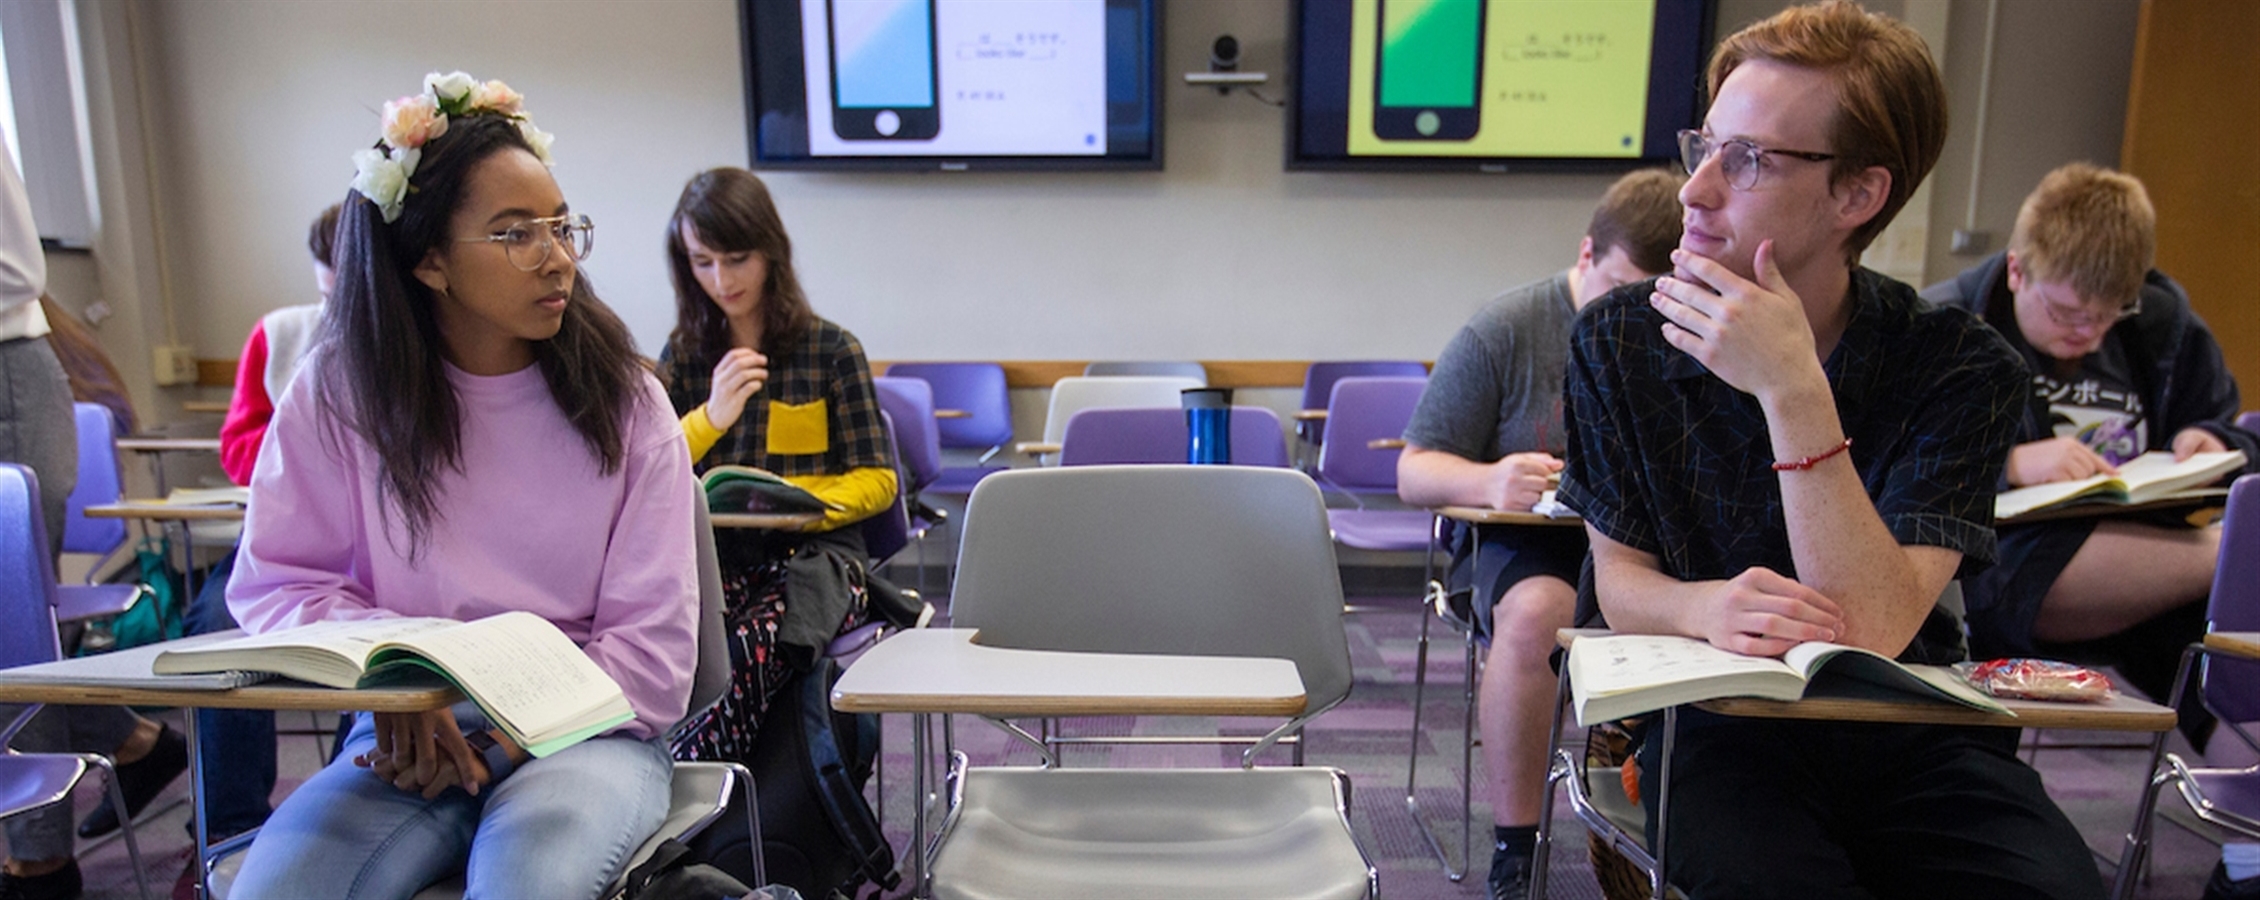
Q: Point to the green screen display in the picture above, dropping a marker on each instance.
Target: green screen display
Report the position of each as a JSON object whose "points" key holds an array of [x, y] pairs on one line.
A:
{"points": [[1429, 52]]}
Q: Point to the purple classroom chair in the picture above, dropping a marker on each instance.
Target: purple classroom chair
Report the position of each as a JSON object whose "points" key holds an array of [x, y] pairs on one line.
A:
{"points": [[99, 482], [1318, 386], [2250, 421], [917, 442], [29, 781], [2230, 688], [977, 389], [1362, 409], [1156, 436]]}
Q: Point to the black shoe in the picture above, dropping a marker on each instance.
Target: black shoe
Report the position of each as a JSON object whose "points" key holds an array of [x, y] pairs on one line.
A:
{"points": [[1510, 875], [61, 884], [141, 781], [2220, 887]]}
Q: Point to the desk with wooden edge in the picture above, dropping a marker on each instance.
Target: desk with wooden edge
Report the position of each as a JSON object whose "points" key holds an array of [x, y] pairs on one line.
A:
{"points": [[2120, 713], [945, 670], [203, 406], [96, 680], [184, 513], [952, 414], [2201, 508], [765, 521], [156, 448], [1476, 515]]}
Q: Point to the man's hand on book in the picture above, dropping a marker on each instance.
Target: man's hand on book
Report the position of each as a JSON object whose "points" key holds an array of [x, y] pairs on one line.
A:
{"points": [[2055, 459], [2194, 440], [1764, 613], [424, 753]]}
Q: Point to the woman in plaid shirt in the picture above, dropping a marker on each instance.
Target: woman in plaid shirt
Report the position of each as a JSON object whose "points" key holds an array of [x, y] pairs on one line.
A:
{"points": [[761, 381]]}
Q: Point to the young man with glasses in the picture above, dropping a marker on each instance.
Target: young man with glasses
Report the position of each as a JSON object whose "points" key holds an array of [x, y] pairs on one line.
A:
{"points": [[2121, 366], [1488, 433], [1772, 445]]}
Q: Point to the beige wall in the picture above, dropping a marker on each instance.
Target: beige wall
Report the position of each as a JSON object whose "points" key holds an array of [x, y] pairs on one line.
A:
{"points": [[1221, 256]]}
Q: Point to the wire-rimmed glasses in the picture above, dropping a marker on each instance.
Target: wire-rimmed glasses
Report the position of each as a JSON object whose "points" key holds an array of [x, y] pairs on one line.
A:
{"points": [[527, 243], [1738, 158]]}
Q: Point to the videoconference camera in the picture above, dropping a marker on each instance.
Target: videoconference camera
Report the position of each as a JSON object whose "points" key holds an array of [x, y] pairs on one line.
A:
{"points": [[1224, 54]]}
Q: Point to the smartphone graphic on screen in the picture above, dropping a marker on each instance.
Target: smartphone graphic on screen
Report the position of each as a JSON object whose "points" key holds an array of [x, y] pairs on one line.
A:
{"points": [[1428, 75], [885, 75]]}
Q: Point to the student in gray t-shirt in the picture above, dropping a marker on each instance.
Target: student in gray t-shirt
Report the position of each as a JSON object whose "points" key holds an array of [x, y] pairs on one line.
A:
{"points": [[1488, 433]]}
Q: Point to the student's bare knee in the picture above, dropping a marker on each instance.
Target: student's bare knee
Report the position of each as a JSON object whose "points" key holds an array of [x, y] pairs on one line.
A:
{"points": [[1528, 614]]}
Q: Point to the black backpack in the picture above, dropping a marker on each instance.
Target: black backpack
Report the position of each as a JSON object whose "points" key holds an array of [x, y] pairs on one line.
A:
{"points": [[818, 834]]}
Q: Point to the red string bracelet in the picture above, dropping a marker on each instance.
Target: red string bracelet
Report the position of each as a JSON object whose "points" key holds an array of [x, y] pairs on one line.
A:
{"points": [[1813, 460]]}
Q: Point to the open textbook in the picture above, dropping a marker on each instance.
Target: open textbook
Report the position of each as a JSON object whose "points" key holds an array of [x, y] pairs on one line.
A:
{"points": [[527, 675], [747, 489], [1621, 675], [2151, 476]]}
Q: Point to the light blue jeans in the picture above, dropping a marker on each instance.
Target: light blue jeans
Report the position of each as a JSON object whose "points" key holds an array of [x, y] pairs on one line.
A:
{"points": [[561, 826]]}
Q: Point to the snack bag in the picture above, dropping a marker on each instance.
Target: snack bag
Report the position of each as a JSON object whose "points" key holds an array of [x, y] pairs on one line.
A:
{"points": [[2037, 679]]}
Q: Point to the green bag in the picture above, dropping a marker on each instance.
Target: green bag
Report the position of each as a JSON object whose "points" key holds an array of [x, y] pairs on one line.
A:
{"points": [[157, 615]]}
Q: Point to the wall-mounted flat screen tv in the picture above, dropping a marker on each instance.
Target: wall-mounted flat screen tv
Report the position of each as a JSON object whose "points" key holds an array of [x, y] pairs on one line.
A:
{"points": [[1494, 85], [952, 84]]}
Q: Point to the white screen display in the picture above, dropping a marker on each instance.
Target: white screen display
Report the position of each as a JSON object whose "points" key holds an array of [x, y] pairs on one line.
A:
{"points": [[955, 77]]}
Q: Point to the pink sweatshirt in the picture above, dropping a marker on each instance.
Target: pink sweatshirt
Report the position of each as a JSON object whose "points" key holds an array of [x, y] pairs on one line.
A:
{"points": [[530, 522]]}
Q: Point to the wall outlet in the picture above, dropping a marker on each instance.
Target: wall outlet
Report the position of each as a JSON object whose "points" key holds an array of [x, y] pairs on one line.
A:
{"points": [[174, 364], [1967, 243]]}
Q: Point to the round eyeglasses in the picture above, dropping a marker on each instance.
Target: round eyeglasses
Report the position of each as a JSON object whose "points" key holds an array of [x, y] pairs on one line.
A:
{"points": [[528, 243], [2083, 318], [1738, 158]]}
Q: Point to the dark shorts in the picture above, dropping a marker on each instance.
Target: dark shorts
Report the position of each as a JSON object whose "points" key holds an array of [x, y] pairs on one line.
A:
{"points": [[2004, 600], [1501, 556]]}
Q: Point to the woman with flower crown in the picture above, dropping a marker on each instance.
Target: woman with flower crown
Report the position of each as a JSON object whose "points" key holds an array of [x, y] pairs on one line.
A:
{"points": [[473, 434], [760, 380]]}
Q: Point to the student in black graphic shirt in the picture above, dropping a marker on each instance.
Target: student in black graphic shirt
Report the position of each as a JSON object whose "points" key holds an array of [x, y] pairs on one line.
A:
{"points": [[2121, 365]]}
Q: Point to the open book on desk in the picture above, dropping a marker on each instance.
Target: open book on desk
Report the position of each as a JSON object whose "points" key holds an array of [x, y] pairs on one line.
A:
{"points": [[1620, 675], [527, 675], [2151, 476]]}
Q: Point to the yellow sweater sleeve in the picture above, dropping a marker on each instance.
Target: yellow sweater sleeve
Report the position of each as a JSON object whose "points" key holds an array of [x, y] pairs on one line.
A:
{"points": [[700, 432], [860, 492]]}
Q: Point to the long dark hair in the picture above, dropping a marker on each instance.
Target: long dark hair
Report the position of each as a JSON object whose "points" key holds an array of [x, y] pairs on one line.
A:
{"points": [[731, 212], [382, 374]]}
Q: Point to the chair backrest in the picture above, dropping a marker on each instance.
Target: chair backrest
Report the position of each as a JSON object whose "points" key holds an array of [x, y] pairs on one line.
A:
{"points": [[712, 676], [918, 446], [1075, 393], [1151, 435], [27, 573], [1363, 409], [976, 389], [2250, 421], [887, 531], [100, 481], [1318, 383], [1190, 560], [2232, 687], [1150, 368]]}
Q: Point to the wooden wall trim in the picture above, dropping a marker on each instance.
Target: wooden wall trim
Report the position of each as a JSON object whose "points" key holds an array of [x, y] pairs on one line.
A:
{"points": [[1231, 373]]}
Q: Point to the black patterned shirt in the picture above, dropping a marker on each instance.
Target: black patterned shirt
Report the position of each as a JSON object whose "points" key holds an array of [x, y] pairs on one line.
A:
{"points": [[1668, 459], [817, 415]]}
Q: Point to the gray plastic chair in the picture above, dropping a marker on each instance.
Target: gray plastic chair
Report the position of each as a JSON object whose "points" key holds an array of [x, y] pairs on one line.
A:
{"points": [[699, 792], [1076, 393], [1190, 560]]}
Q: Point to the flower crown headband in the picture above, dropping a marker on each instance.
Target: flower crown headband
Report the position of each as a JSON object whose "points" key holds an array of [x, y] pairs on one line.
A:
{"points": [[415, 120]]}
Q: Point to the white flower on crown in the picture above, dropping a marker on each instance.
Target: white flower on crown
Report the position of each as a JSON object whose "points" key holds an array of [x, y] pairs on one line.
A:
{"points": [[384, 179], [537, 139], [450, 88]]}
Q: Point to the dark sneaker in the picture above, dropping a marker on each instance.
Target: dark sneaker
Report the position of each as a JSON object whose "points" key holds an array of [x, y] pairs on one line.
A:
{"points": [[61, 884], [1510, 875], [141, 781], [2220, 887]]}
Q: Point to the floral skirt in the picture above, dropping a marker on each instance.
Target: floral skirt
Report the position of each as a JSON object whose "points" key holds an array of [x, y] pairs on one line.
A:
{"points": [[754, 592]]}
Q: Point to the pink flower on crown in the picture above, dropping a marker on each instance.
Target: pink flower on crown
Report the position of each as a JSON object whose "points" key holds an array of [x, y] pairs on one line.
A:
{"points": [[411, 121], [494, 96]]}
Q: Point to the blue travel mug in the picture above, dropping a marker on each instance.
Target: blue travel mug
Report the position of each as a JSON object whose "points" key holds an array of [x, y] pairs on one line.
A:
{"points": [[1208, 426]]}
